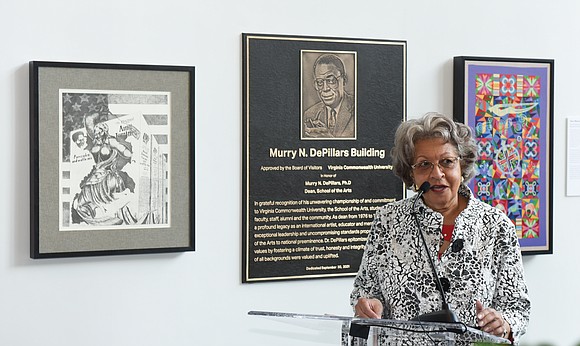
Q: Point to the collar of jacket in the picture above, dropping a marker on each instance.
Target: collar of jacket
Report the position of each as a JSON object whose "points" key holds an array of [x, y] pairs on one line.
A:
{"points": [[432, 220]]}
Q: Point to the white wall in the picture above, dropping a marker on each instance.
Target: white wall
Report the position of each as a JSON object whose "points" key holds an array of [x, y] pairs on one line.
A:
{"points": [[197, 298]]}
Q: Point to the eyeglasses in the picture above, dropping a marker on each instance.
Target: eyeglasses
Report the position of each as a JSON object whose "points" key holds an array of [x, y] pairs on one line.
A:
{"points": [[331, 81], [427, 166]]}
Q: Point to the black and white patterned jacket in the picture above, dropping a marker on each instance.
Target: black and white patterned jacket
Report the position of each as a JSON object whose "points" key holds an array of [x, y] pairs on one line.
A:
{"points": [[487, 267]]}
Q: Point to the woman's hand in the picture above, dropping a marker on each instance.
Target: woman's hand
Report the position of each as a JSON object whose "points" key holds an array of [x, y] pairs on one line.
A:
{"points": [[368, 308], [491, 321]]}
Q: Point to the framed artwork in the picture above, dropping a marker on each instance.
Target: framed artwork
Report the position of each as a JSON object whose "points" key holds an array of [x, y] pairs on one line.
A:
{"points": [[508, 103], [319, 118], [111, 159]]}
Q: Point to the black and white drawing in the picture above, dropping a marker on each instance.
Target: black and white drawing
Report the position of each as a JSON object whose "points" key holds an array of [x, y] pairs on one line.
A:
{"points": [[114, 159]]}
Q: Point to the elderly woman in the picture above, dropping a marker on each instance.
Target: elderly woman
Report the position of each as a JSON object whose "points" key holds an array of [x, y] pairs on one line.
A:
{"points": [[473, 245]]}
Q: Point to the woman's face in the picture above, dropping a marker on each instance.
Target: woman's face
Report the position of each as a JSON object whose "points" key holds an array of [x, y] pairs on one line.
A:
{"points": [[444, 181]]}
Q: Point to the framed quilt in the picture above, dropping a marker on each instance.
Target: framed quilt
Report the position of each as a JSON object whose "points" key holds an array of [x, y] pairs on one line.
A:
{"points": [[508, 103]]}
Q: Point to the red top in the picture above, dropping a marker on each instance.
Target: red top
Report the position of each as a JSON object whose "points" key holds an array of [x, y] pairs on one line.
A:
{"points": [[448, 232]]}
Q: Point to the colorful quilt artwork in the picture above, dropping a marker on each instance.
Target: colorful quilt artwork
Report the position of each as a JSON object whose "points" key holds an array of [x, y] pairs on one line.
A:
{"points": [[507, 130], [508, 105]]}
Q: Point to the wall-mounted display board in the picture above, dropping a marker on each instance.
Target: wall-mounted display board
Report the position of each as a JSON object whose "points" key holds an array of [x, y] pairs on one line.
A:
{"points": [[319, 117]]}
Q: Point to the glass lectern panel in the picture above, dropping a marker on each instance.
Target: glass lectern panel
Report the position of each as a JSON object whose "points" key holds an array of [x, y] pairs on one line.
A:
{"points": [[382, 332]]}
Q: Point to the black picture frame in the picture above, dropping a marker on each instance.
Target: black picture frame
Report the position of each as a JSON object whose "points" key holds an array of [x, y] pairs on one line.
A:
{"points": [[509, 104], [125, 184]]}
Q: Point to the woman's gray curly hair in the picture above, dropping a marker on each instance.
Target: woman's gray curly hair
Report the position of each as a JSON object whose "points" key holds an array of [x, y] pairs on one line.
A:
{"points": [[432, 125]]}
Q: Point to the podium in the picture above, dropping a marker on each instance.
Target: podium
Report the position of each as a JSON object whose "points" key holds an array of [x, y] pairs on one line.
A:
{"points": [[379, 332]]}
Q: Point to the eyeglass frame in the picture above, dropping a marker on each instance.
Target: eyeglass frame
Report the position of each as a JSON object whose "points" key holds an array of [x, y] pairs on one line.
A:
{"points": [[442, 168], [327, 81]]}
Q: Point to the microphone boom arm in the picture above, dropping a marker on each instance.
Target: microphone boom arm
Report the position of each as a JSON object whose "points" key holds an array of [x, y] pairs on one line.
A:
{"points": [[446, 314]]}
